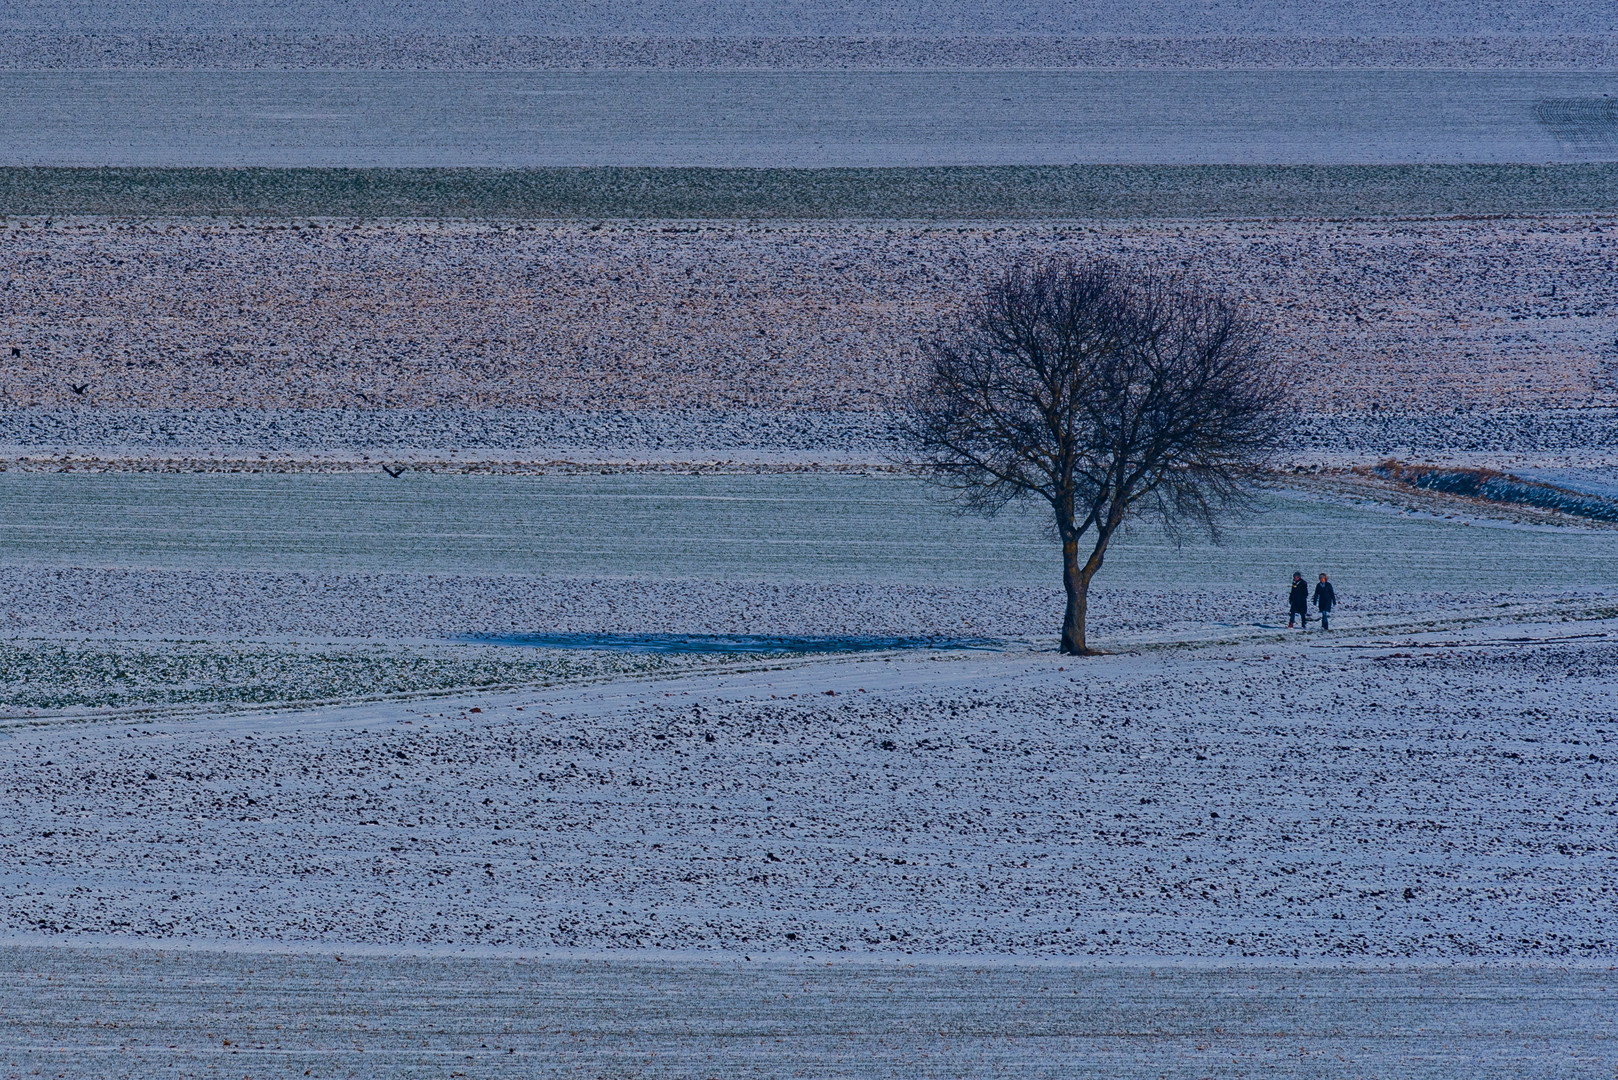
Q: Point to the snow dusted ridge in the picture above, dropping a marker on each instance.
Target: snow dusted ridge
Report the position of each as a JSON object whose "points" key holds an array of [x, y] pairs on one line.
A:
{"points": [[1402, 793]]}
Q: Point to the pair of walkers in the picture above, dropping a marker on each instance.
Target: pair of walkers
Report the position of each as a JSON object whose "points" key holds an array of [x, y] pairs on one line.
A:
{"points": [[1325, 600]]}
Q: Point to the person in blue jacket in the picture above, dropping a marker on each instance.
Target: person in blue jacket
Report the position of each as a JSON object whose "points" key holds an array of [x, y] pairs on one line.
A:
{"points": [[1325, 600]]}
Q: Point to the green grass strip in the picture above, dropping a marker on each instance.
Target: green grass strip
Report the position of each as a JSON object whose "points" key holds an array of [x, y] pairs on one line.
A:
{"points": [[1097, 192]]}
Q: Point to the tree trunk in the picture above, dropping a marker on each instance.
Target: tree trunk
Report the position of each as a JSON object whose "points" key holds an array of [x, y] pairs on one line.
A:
{"points": [[1076, 581], [1078, 593]]}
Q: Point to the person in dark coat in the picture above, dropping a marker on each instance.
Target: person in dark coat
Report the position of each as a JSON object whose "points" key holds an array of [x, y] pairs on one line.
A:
{"points": [[1325, 599], [1299, 601]]}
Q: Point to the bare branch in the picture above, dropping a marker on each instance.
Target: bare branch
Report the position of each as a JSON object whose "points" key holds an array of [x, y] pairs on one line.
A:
{"points": [[1109, 393]]}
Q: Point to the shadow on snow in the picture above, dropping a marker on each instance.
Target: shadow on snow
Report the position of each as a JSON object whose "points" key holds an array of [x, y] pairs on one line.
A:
{"points": [[728, 643]]}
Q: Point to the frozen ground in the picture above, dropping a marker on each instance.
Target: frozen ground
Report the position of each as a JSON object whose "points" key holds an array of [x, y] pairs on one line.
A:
{"points": [[523, 439], [878, 821], [1397, 316], [167, 1010], [1441, 790], [92, 643], [1388, 852], [895, 813], [802, 119]]}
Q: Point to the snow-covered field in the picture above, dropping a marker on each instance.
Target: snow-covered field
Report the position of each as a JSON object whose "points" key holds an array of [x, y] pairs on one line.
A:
{"points": [[281, 792], [1600, 482], [1384, 316], [1435, 790], [1300, 848], [1590, 48], [52, 677], [523, 441], [100, 1012], [788, 531], [1431, 780], [1346, 769], [1223, 850], [128, 592], [801, 119]]}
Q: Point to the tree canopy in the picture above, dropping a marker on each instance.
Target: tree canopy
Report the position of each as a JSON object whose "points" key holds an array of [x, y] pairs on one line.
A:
{"points": [[1108, 392]]}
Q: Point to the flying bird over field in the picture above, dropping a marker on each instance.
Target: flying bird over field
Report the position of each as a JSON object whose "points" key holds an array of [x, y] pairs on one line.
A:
{"points": [[393, 472], [79, 388]]}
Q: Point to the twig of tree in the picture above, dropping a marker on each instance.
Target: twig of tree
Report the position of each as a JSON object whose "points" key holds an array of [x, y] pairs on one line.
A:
{"points": [[1108, 392]]}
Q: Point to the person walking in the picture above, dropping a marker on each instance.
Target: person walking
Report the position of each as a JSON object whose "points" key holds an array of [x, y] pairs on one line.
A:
{"points": [[1299, 599], [1325, 600]]}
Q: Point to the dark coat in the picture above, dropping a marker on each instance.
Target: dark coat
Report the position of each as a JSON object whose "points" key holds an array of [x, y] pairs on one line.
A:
{"points": [[1325, 596], [1300, 596]]}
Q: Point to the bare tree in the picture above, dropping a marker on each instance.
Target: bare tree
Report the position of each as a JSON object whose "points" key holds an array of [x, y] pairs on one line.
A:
{"points": [[1107, 392]]}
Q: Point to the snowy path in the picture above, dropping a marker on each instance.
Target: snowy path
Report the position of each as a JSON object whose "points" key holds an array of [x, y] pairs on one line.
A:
{"points": [[103, 1013]]}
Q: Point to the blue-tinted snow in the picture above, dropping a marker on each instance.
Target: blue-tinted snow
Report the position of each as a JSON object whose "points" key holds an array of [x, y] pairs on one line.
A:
{"points": [[730, 644]]}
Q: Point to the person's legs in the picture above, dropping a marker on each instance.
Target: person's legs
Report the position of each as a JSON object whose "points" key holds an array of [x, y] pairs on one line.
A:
{"points": [[1325, 619]]}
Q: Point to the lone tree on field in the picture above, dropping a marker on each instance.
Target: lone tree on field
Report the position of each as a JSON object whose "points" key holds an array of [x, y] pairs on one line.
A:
{"points": [[1107, 392]]}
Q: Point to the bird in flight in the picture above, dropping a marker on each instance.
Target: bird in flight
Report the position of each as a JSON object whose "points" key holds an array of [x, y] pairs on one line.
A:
{"points": [[79, 388], [393, 472]]}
